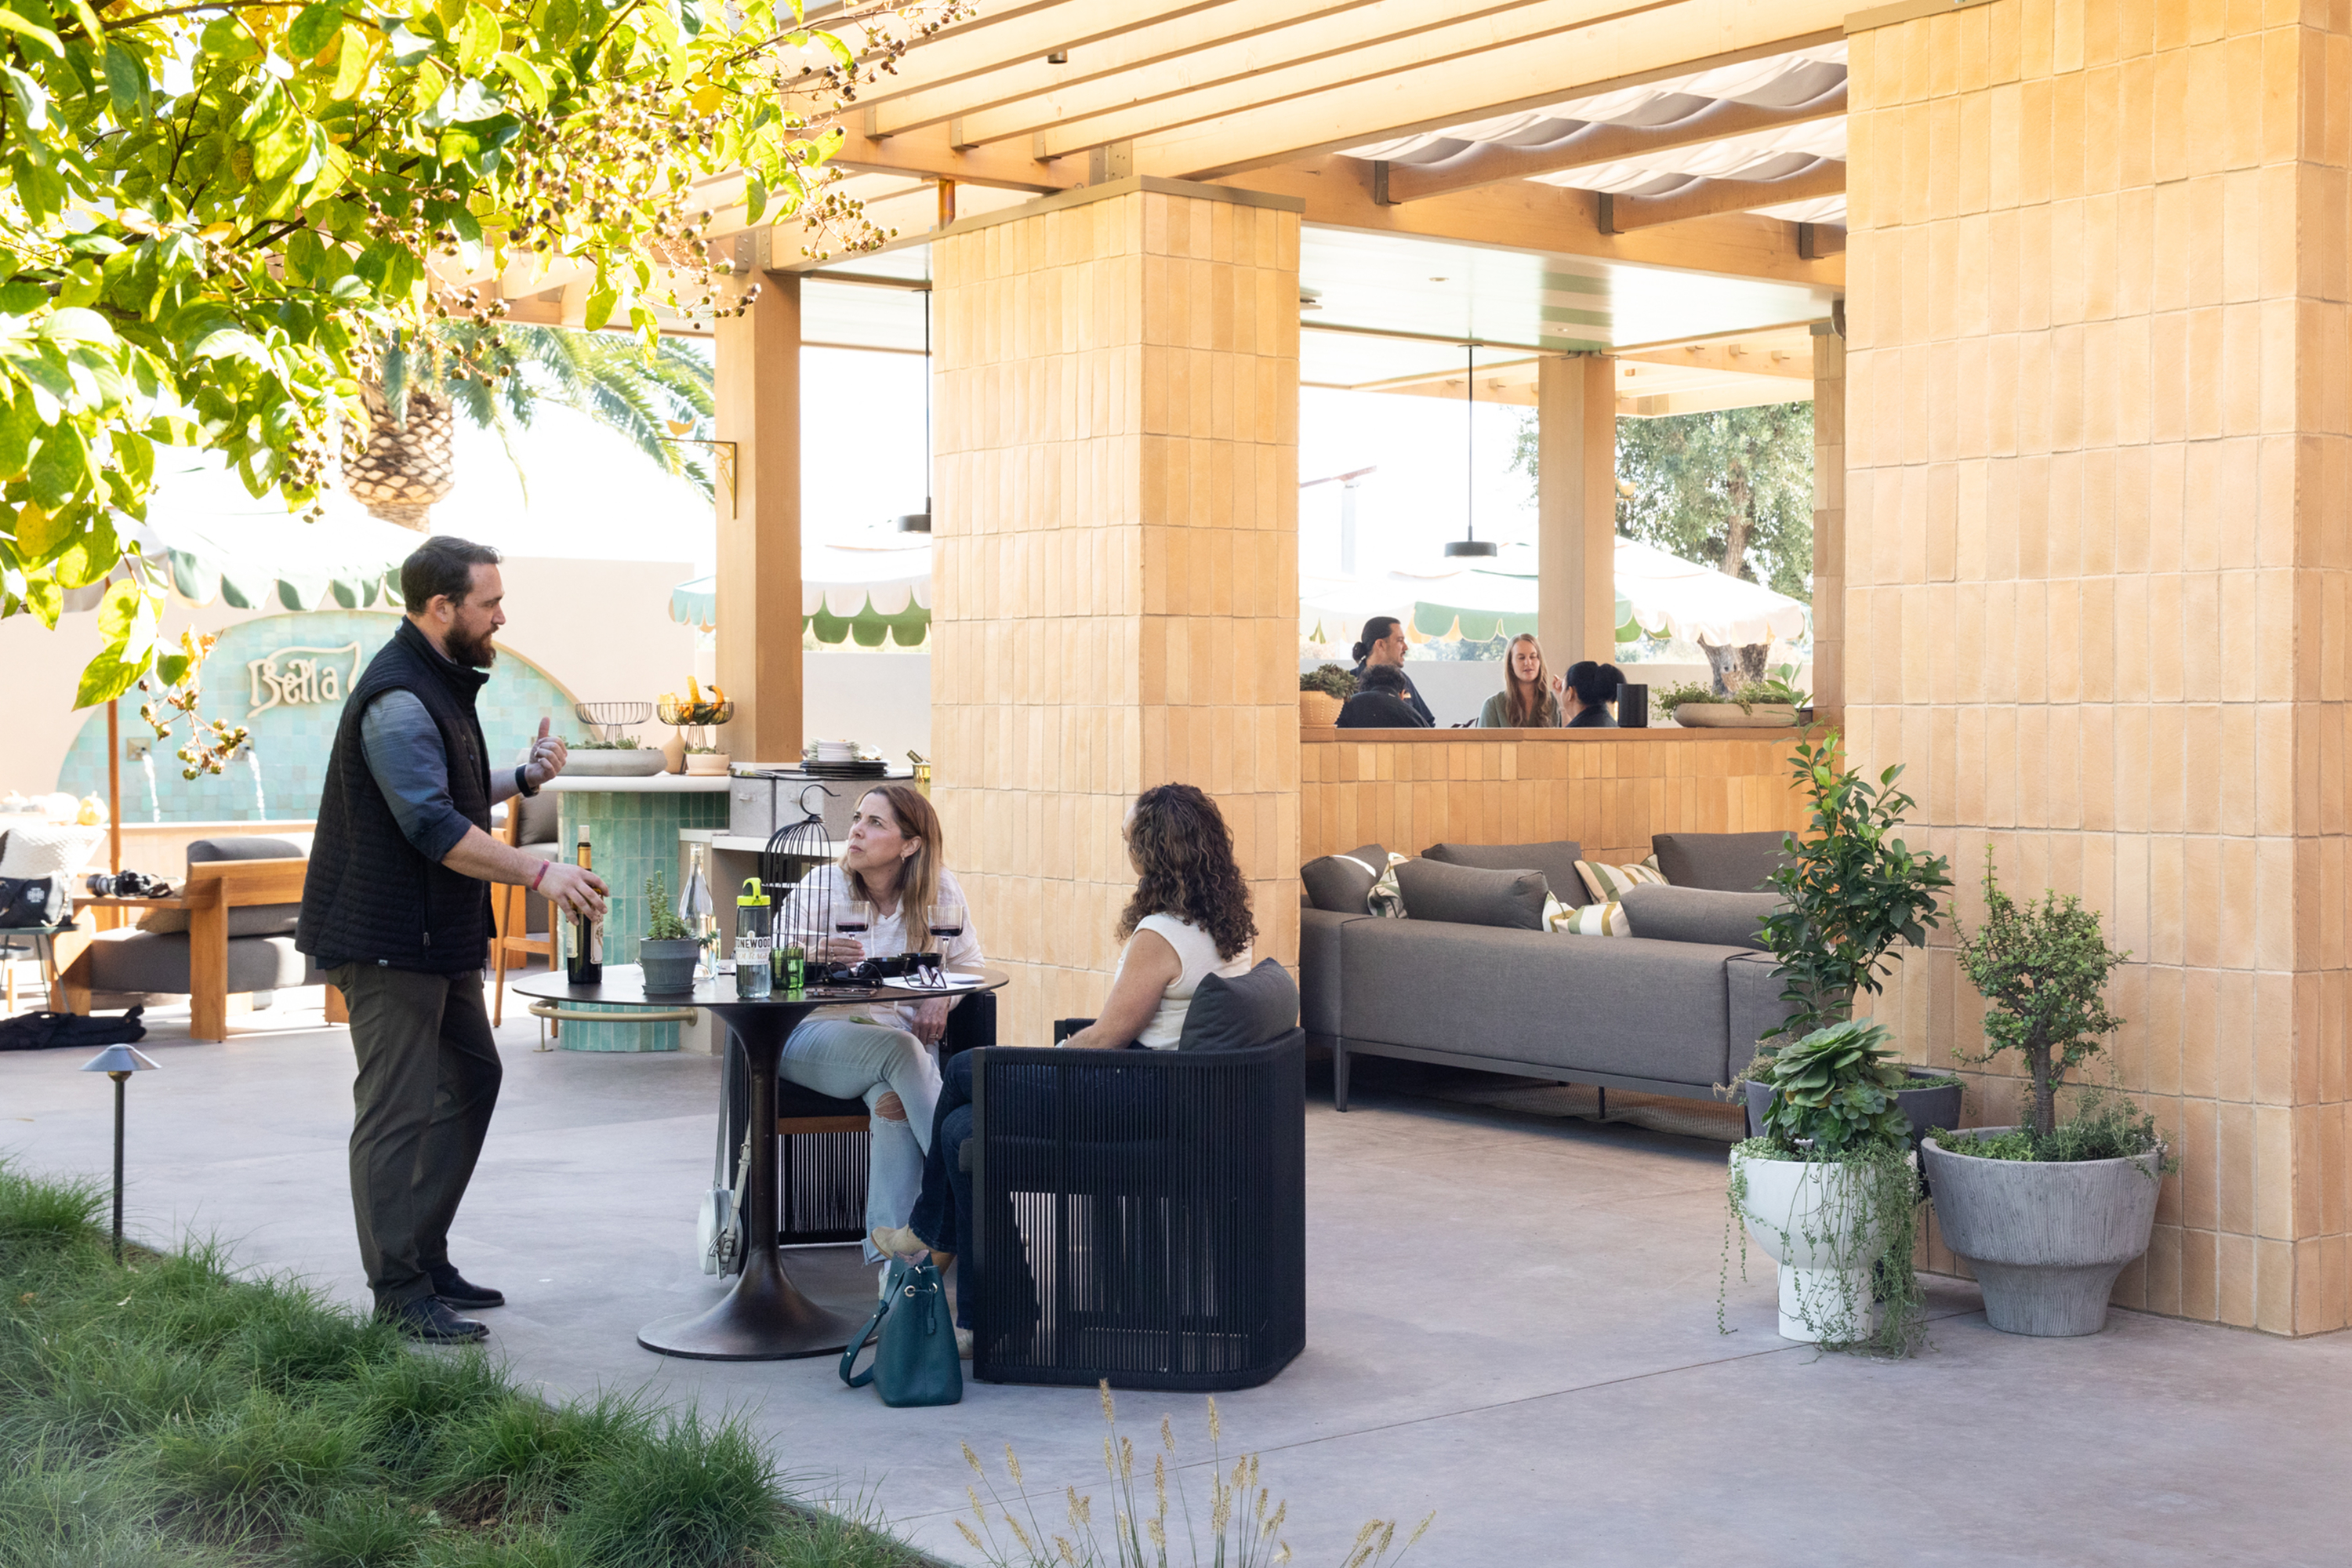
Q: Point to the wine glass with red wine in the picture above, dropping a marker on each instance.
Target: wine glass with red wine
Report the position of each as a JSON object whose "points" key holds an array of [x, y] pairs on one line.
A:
{"points": [[945, 921], [851, 918]]}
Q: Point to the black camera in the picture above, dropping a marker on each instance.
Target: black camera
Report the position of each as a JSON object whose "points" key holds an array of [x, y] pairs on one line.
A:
{"points": [[867, 972], [127, 884]]}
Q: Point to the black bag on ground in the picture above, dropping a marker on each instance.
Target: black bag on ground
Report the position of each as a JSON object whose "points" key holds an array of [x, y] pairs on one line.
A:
{"points": [[45, 1031]]}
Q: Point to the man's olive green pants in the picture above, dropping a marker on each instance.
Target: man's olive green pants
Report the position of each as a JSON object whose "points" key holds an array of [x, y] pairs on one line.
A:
{"points": [[428, 1079]]}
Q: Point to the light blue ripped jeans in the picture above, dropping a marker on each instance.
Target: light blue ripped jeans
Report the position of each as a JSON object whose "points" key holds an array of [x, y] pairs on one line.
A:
{"points": [[849, 1060]]}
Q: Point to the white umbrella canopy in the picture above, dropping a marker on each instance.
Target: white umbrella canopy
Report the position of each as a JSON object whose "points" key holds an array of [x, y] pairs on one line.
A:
{"points": [[1667, 592], [860, 591]]}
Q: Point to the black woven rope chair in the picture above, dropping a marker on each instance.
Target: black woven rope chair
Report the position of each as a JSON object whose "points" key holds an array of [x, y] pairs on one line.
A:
{"points": [[1142, 1215], [822, 1143]]}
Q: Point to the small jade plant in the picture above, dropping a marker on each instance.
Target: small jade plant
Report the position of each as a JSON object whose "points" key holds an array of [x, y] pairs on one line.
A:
{"points": [[662, 924], [1332, 679], [2043, 967]]}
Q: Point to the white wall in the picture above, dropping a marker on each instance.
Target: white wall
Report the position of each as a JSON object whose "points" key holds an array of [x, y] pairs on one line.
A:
{"points": [[600, 628], [883, 699]]}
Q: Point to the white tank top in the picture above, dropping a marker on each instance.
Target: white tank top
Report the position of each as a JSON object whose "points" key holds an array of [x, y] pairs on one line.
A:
{"points": [[1196, 950]]}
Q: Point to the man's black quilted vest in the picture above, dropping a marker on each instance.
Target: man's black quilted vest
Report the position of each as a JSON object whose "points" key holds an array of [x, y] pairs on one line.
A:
{"points": [[369, 897]]}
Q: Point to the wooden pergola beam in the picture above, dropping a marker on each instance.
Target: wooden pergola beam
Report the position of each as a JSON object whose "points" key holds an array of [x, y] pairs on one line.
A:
{"points": [[1545, 219], [1708, 198], [919, 102], [1020, 34], [929, 154], [1409, 39], [1419, 95], [1492, 163], [1305, 53]]}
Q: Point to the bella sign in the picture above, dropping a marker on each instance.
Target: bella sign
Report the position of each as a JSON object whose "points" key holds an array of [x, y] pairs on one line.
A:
{"points": [[293, 677]]}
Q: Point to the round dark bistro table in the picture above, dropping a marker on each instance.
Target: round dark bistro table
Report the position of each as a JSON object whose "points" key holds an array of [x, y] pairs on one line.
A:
{"points": [[764, 1317]]}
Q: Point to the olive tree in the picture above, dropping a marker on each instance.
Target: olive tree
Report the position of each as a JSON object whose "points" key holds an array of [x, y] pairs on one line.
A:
{"points": [[2044, 968]]}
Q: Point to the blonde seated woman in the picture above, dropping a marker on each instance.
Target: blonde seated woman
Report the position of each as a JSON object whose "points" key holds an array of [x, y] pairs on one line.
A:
{"points": [[881, 1053], [1530, 696]]}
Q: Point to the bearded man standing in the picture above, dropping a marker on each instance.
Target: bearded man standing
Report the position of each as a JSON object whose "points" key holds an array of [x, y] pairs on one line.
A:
{"points": [[396, 909]]}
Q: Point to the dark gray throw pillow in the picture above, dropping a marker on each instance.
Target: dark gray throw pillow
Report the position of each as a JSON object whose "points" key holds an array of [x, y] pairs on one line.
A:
{"points": [[1728, 862], [1253, 1009], [1467, 895], [1698, 914], [1556, 861], [1340, 883]]}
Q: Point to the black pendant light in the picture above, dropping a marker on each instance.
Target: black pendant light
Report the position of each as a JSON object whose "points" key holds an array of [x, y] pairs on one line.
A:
{"points": [[920, 521], [1469, 544]]}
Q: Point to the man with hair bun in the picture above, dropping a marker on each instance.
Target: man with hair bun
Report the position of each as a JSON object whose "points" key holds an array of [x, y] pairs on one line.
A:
{"points": [[396, 909], [1383, 644]]}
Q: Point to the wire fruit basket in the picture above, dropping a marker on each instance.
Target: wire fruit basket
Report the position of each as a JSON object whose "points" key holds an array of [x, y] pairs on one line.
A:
{"points": [[697, 720], [607, 719]]}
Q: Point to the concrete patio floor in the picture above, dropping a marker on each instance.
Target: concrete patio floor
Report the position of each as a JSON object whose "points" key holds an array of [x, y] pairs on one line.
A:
{"points": [[1511, 1321]]}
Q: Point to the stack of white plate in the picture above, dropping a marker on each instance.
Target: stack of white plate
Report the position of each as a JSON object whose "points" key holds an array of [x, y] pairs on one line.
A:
{"points": [[835, 751]]}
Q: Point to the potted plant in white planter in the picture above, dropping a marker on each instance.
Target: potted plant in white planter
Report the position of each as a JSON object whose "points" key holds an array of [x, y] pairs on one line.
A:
{"points": [[669, 953], [1851, 891], [1829, 1191], [2047, 1214]]}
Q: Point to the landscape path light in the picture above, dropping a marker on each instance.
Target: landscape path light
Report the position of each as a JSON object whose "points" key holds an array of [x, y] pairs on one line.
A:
{"points": [[118, 1062]]}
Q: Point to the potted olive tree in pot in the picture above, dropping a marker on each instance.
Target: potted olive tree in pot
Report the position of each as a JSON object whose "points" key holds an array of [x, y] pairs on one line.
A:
{"points": [[669, 953], [1829, 1191], [1852, 890], [2048, 1212]]}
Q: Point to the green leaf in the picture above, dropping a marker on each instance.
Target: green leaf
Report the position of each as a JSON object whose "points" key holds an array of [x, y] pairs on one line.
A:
{"points": [[40, 534], [118, 612], [598, 310], [350, 64], [312, 29], [527, 78], [126, 81], [59, 468], [478, 39], [89, 557], [17, 427], [33, 33], [45, 599], [173, 669], [108, 677]]}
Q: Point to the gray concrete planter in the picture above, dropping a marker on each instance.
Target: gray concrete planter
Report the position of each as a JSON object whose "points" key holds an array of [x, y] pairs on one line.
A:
{"points": [[2046, 1241], [668, 964]]}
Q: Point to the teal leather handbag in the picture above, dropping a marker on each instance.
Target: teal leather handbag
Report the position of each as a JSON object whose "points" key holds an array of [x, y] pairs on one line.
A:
{"points": [[913, 1332]]}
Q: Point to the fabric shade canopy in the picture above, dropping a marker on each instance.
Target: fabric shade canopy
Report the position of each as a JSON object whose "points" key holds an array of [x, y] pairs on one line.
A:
{"points": [[849, 593], [1667, 594]]}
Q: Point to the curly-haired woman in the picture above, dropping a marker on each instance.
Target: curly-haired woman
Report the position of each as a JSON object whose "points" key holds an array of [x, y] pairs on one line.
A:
{"points": [[1189, 918]]}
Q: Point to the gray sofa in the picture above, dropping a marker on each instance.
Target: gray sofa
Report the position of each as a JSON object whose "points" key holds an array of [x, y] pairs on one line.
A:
{"points": [[1676, 1008], [261, 953]]}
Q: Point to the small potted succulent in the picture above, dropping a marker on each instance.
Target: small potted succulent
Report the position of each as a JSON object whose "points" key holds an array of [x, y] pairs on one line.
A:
{"points": [[1321, 691], [669, 953], [1829, 1190], [2047, 1213]]}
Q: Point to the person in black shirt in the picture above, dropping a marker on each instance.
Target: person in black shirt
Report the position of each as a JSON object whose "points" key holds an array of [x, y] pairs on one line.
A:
{"points": [[1592, 688], [1379, 703], [1383, 644]]}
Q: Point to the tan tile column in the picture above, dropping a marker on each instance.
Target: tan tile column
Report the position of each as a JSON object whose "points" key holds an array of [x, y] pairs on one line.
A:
{"points": [[2097, 563], [757, 395], [1829, 519], [1576, 509], [1117, 577]]}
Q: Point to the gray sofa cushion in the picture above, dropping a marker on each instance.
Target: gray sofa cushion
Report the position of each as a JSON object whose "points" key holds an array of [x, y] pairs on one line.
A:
{"points": [[1627, 1006], [1698, 914], [255, 919], [1318, 969], [1753, 985], [1339, 883], [1465, 895], [1253, 1009], [143, 961], [1728, 862], [1556, 861]]}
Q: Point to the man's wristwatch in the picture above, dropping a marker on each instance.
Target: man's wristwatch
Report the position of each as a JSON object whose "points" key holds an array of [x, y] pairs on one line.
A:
{"points": [[524, 786]]}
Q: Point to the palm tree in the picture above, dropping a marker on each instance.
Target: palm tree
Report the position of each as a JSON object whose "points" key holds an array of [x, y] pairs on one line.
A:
{"points": [[495, 375]]}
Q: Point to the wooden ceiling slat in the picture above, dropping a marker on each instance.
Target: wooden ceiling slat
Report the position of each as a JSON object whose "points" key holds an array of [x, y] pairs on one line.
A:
{"points": [[1599, 143], [1631, 51], [1413, 37], [1349, 42], [988, 44]]}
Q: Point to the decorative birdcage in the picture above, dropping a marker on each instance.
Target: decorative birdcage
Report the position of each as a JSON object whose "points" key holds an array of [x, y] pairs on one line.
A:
{"points": [[794, 850]]}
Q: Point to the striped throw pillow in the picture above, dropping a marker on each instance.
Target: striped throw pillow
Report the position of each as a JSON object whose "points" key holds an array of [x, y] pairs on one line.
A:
{"points": [[1608, 884], [1386, 900], [1592, 920]]}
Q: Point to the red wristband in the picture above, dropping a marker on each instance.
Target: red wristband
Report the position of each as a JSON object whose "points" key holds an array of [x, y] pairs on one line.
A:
{"points": [[536, 876]]}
